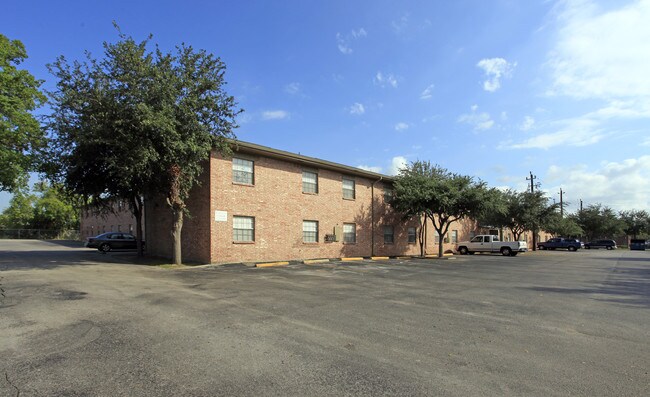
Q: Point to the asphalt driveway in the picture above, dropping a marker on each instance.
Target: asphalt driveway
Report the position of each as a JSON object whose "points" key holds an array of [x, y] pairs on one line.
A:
{"points": [[74, 322]]}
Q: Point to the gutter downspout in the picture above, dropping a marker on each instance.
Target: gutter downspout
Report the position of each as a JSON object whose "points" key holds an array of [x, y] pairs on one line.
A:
{"points": [[372, 216]]}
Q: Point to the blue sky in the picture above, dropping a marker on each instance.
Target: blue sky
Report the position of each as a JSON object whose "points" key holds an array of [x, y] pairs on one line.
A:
{"points": [[492, 89]]}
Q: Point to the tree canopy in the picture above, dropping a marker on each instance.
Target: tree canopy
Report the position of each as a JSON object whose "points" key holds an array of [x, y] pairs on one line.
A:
{"points": [[444, 197], [635, 222], [139, 123], [20, 133], [598, 221], [45, 207]]}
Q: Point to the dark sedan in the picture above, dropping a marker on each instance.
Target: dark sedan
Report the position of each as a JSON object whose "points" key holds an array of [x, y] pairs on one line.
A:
{"points": [[112, 240]]}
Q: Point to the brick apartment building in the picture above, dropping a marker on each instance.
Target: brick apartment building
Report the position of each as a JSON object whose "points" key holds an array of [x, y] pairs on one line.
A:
{"points": [[263, 204]]}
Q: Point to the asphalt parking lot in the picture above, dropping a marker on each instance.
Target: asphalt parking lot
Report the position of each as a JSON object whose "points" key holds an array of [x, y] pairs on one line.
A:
{"points": [[74, 322]]}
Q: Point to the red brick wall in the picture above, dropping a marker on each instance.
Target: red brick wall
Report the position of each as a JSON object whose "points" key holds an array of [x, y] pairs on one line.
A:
{"points": [[91, 224], [195, 235], [279, 206]]}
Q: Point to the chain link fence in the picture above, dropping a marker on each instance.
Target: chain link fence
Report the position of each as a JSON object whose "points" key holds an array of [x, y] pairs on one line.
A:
{"points": [[39, 234]]}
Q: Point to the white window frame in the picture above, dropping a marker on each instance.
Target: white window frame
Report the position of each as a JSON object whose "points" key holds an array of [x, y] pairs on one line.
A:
{"points": [[349, 193], [309, 231], [243, 171], [310, 186], [350, 233], [241, 226]]}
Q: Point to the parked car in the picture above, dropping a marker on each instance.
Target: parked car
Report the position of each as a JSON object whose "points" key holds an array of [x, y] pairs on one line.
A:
{"points": [[570, 244], [638, 244], [491, 243], [112, 240], [609, 244]]}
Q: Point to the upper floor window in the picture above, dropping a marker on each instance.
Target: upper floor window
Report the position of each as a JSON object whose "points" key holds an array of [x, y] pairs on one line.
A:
{"points": [[388, 195], [349, 233], [309, 231], [348, 188], [243, 228], [242, 171], [309, 182], [389, 235]]}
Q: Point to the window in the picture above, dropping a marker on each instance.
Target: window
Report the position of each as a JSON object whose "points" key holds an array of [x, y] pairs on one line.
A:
{"points": [[309, 231], [411, 235], [447, 238], [349, 233], [242, 171], [119, 228], [477, 239], [454, 236], [348, 189], [436, 237], [243, 229], [309, 182], [388, 195], [388, 235]]}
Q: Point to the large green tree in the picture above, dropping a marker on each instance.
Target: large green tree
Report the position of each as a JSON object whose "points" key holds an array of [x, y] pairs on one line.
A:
{"points": [[598, 221], [444, 197], [45, 207], [20, 133], [558, 225], [635, 222], [139, 123]]}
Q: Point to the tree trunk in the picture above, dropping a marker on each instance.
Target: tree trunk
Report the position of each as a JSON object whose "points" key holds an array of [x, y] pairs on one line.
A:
{"points": [[176, 234], [137, 210]]}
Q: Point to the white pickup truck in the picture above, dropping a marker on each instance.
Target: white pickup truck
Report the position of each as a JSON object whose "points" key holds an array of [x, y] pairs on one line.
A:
{"points": [[490, 243]]}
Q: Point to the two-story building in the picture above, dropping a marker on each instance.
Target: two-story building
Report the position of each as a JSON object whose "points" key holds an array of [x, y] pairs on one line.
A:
{"points": [[263, 204]]}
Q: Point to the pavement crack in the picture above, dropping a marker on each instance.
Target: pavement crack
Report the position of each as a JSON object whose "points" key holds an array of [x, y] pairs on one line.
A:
{"points": [[11, 384]]}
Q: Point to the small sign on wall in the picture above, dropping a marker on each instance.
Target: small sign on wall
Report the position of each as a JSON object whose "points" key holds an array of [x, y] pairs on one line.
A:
{"points": [[221, 216]]}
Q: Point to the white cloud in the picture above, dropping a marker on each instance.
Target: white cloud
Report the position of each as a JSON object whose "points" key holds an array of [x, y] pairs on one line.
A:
{"points": [[400, 24], [370, 168], [527, 124], [478, 121], [602, 54], [357, 108], [292, 88], [620, 185], [275, 115], [401, 126], [359, 33], [385, 80], [344, 41], [571, 132], [427, 93], [397, 163], [495, 69]]}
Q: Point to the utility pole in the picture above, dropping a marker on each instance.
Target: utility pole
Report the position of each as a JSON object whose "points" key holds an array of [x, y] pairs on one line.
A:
{"points": [[531, 179], [561, 204], [532, 190]]}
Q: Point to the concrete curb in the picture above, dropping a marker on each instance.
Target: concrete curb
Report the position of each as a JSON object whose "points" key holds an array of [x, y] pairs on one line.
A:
{"points": [[272, 264], [315, 261]]}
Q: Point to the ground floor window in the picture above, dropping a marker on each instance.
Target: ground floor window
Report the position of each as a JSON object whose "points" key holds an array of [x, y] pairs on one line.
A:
{"points": [[389, 235], [243, 228], [309, 231], [411, 235], [454, 236], [349, 233]]}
